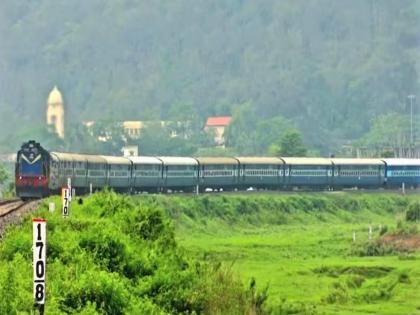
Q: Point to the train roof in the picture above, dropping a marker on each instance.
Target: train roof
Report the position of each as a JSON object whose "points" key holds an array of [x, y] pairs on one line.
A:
{"points": [[91, 158], [306, 161], [177, 160], [217, 160], [70, 157], [259, 160], [348, 161], [58, 156], [402, 162], [116, 160], [145, 160]]}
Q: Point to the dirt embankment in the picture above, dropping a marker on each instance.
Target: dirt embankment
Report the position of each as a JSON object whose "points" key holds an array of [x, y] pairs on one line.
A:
{"points": [[403, 242]]}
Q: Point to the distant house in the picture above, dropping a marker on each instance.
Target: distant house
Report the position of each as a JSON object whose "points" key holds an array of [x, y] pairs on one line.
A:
{"points": [[133, 128], [217, 125]]}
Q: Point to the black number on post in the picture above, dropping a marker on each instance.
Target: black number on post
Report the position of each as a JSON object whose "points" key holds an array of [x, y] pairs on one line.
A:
{"points": [[39, 269], [39, 292], [38, 226], [41, 245]]}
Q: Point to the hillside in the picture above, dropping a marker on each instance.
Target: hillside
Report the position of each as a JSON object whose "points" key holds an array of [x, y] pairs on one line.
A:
{"points": [[320, 61]]}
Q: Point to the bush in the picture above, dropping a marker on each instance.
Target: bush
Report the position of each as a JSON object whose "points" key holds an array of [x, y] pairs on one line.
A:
{"points": [[118, 256], [108, 250], [104, 290], [373, 248], [413, 212], [287, 308]]}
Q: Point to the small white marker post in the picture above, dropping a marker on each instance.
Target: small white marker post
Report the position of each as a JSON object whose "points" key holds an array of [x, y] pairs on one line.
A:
{"points": [[354, 236], [51, 207], [39, 251], [370, 231], [403, 188], [69, 187], [65, 193], [90, 188]]}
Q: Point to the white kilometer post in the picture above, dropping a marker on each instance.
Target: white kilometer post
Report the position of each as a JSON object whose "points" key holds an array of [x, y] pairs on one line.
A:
{"points": [[69, 187], [39, 249], [65, 197]]}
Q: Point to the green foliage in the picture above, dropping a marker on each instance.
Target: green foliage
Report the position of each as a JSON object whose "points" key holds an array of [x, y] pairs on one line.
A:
{"points": [[116, 255], [6, 188], [107, 291], [299, 243], [3, 175], [172, 139], [413, 212], [321, 72], [251, 136], [374, 248], [389, 134], [290, 144], [287, 308]]}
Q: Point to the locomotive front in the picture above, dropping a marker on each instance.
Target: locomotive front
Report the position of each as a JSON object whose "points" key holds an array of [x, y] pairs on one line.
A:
{"points": [[31, 173]]}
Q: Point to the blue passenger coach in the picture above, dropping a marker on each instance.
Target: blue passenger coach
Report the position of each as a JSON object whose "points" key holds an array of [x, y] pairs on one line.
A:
{"points": [[399, 171], [313, 173], [361, 173]]}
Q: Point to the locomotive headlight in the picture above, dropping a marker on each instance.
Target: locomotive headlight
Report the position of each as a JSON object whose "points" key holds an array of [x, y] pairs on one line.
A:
{"points": [[20, 177]]}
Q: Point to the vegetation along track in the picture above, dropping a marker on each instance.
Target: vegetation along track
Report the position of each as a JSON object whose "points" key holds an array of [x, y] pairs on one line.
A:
{"points": [[12, 210]]}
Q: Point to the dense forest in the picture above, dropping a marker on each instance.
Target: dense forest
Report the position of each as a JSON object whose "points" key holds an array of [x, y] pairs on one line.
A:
{"points": [[334, 70]]}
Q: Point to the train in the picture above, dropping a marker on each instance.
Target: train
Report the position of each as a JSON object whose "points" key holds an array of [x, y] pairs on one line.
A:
{"points": [[40, 173]]}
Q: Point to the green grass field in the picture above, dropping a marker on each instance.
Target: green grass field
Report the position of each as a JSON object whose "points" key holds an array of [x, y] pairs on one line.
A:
{"points": [[305, 255], [174, 254]]}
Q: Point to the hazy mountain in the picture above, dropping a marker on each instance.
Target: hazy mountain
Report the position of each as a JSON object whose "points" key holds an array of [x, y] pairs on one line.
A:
{"points": [[329, 66]]}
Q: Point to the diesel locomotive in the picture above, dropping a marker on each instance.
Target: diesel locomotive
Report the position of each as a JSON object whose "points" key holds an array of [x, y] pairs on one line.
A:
{"points": [[40, 173]]}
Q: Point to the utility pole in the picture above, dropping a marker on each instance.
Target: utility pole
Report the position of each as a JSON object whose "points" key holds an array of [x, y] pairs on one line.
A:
{"points": [[411, 97]]}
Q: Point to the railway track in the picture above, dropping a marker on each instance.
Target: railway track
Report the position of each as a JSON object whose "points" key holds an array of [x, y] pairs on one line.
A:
{"points": [[9, 206], [11, 211]]}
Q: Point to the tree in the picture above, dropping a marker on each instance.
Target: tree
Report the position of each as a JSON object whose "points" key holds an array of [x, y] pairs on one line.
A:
{"points": [[240, 134], [270, 130], [290, 144], [3, 178], [3, 175], [110, 137], [389, 134], [156, 139]]}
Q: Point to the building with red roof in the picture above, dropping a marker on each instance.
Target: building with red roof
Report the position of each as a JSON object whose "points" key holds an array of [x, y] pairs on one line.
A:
{"points": [[217, 125]]}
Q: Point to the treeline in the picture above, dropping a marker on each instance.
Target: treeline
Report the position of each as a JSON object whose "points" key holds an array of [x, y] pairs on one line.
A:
{"points": [[329, 67], [275, 137]]}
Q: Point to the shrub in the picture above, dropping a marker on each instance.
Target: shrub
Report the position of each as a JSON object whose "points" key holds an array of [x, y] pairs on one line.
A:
{"points": [[107, 249], [413, 212], [287, 308], [373, 248], [104, 290]]}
